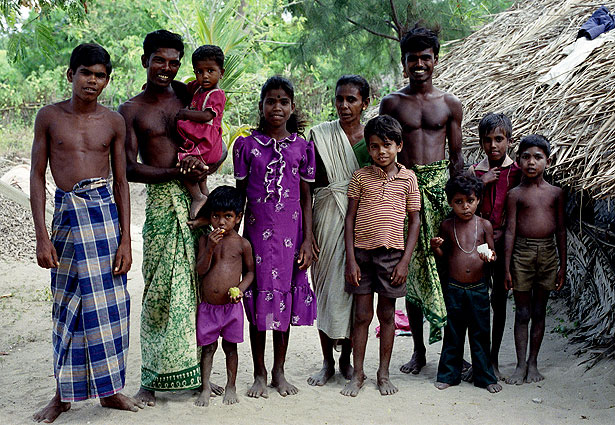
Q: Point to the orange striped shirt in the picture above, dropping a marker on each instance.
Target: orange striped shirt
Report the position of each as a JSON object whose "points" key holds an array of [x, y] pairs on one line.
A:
{"points": [[383, 205]]}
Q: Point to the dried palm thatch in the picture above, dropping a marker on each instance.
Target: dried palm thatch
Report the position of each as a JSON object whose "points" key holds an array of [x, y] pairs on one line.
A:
{"points": [[496, 69]]}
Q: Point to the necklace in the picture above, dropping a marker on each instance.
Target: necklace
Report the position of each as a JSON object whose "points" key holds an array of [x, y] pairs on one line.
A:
{"points": [[475, 236]]}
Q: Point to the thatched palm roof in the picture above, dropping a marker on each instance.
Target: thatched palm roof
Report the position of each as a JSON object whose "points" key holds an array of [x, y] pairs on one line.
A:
{"points": [[496, 69]]}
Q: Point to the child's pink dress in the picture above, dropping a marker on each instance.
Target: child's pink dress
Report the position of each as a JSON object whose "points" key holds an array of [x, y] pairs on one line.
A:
{"points": [[203, 140]]}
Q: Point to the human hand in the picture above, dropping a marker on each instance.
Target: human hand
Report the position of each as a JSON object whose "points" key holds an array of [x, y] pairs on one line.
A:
{"points": [[235, 294], [400, 272], [123, 259], [561, 278], [487, 258], [215, 236], [46, 255], [180, 115], [315, 250], [306, 257], [508, 285], [193, 168], [352, 272], [436, 242], [491, 175], [197, 223]]}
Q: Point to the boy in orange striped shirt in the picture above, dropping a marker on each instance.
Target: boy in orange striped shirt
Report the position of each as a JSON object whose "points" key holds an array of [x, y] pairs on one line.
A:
{"points": [[380, 197]]}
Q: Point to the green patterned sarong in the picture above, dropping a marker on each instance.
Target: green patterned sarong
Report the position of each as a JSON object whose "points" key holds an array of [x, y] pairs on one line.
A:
{"points": [[169, 352], [424, 289]]}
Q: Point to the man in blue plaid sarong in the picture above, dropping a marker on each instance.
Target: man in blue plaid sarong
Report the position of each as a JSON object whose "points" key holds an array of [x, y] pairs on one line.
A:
{"points": [[89, 250]]}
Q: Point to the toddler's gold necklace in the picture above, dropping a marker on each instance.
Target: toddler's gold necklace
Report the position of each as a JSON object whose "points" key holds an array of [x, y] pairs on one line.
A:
{"points": [[475, 235]]}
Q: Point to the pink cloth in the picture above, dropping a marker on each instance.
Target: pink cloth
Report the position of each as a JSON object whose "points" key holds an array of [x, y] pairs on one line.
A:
{"points": [[402, 324], [203, 140], [213, 321]]}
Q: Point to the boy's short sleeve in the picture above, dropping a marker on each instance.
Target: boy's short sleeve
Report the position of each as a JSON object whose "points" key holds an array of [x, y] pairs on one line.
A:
{"points": [[215, 102], [307, 167], [241, 158], [413, 200], [354, 187]]}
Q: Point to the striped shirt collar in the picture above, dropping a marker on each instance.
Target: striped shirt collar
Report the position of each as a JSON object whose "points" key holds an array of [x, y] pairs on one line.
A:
{"points": [[402, 174]]}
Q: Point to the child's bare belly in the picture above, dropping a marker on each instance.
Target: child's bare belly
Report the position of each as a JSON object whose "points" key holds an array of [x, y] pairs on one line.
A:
{"points": [[468, 268], [217, 282]]}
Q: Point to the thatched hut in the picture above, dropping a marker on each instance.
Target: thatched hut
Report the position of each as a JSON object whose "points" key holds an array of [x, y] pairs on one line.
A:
{"points": [[499, 69]]}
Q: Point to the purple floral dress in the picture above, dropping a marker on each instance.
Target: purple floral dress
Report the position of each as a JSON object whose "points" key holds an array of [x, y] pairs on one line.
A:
{"points": [[281, 293]]}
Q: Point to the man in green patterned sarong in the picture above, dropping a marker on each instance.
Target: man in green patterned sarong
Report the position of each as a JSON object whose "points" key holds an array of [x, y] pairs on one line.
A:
{"points": [[169, 351], [429, 117]]}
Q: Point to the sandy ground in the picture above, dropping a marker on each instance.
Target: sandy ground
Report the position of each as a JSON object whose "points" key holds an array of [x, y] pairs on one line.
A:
{"points": [[569, 395]]}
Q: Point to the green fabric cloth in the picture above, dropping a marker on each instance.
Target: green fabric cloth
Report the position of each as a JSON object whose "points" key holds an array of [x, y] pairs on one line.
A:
{"points": [[424, 289], [169, 352], [361, 153]]}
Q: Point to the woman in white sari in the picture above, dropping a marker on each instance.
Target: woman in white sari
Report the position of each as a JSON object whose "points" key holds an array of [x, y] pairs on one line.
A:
{"points": [[340, 150]]}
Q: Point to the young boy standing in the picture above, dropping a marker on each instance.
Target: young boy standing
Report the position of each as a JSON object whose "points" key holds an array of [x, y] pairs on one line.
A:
{"points": [[499, 174], [223, 254], [380, 197], [535, 211], [466, 293], [89, 250]]}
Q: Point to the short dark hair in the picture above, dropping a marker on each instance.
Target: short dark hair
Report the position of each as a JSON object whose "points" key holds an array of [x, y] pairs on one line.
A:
{"points": [[208, 51], [162, 39], [356, 80], [88, 54], [223, 198], [296, 123], [537, 140], [491, 122], [385, 127], [417, 39], [465, 184]]}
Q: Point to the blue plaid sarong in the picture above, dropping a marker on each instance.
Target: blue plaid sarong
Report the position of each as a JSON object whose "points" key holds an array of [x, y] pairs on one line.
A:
{"points": [[91, 306]]}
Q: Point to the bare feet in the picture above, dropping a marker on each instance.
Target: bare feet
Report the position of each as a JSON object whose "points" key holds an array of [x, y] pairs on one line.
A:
{"points": [[259, 388], [146, 397], [230, 396], [385, 385], [467, 374], [441, 385], [216, 389], [283, 386], [498, 374], [322, 376], [416, 363], [49, 413], [346, 370], [353, 387], [532, 374], [494, 388], [196, 205], [121, 402], [204, 396], [518, 376]]}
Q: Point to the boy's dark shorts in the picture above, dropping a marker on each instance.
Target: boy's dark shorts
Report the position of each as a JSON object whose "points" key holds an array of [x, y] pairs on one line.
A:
{"points": [[376, 267], [534, 264]]}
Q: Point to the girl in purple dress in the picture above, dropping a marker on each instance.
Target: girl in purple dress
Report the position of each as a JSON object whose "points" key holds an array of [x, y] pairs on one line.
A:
{"points": [[273, 168]]}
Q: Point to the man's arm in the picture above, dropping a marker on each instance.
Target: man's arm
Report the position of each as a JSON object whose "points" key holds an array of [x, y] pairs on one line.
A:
{"points": [[46, 255], [560, 237], [353, 273], [121, 193], [453, 134], [387, 105], [509, 236]]}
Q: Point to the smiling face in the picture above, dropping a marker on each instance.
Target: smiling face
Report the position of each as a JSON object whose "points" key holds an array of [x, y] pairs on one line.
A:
{"points": [[464, 206], [208, 73], [418, 66], [162, 66], [276, 107], [88, 81], [225, 220], [383, 152], [533, 162], [349, 103], [495, 144]]}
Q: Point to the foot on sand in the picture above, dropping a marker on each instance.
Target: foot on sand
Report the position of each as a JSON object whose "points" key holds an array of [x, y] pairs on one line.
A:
{"points": [[498, 374], [279, 382], [441, 385], [230, 395], [259, 388], [353, 387], [518, 376], [416, 363], [122, 402], [532, 374], [49, 413], [196, 205], [346, 370], [204, 396], [467, 374], [146, 397], [494, 388], [322, 376], [385, 385]]}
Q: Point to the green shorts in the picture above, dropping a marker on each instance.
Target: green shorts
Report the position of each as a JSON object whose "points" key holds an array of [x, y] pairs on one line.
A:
{"points": [[534, 264]]}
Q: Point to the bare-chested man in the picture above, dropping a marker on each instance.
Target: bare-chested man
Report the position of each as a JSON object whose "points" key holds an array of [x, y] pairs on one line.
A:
{"points": [[429, 117], [89, 250], [169, 351]]}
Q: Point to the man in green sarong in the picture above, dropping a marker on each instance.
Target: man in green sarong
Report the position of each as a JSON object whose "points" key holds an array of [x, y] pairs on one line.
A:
{"points": [[169, 351], [429, 117]]}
